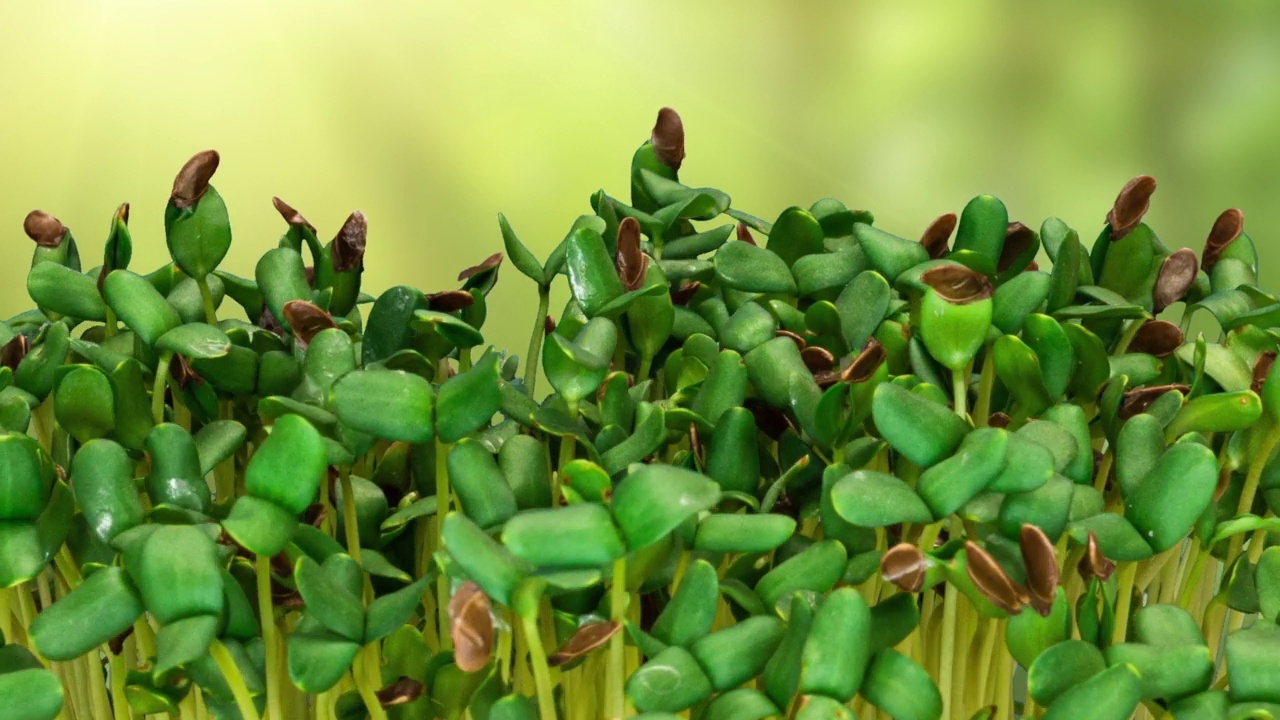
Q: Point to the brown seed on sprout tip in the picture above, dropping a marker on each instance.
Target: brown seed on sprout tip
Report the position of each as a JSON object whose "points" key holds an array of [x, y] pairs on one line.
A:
{"points": [[1225, 230], [1177, 275], [668, 138], [935, 236], [44, 228], [193, 179], [349, 243], [584, 640], [1130, 205], [290, 215]]}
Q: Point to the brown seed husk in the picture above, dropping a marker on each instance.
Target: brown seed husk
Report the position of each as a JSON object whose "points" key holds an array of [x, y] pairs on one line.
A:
{"points": [[818, 359], [865, 364], [935, 236], [1225, 230], [548, 325], [905, 566], [998, 419], [193, 179], [1018, 238], [449, 301], [744, 234], [122, 213], [629, 261], [668, 138], [307, 320], [14, 351], [403, 690], [1130, 205], [471, 627], [44, 228], [1157, 337], [584, 640], [1094, 564], [683, 294], [1137, 400], [958, 284], [695, 445], [992, 581], [485, 265], [290, 215], [1177, 275], [1042, 568], [799, 341], [1262, 368], [349, 243]]}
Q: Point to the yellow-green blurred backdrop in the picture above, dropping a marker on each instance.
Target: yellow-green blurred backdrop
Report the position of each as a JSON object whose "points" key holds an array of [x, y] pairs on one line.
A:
{"points": [[432, 117]]}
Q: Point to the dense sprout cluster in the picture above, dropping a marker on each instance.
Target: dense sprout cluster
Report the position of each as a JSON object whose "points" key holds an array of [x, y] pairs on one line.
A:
{"points": [[804, 468]]}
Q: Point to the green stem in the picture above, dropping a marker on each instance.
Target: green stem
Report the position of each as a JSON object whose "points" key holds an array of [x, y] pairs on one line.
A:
{"points": [[617, 659], [1124, 599], [1130, 331], [350, 522], [535, 340], [442, 509], [272, 660], [946, 658], [111, 326], [986, 385], [210, 315], [960, 389], [227, 664], [119, 703], [6, 614], [568, 448], [1188, 589], [146, 639], [1250, 489], [541, 673], [362, 676], [157, 390], [98, 686], [643, 373]]}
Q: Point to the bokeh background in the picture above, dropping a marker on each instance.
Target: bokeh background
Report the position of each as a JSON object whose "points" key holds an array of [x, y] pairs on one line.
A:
{"points": [[432, 117]]}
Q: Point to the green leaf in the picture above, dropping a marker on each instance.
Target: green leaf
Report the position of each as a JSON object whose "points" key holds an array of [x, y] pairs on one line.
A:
{"points": [[735, 533], [948, 485], [33, 694], [195, 340], [102, 479], [1112, 694], [670, 682], [390, 611], [888, 254], [817, 568], [485, 561], [1062, 667], [468, 401], [184, 641], [692, 609], [1250, 658], [654, 499], [59, 289], [175, 478], [318, 659], [741, 704], [743, 266], [794, 234], [897, 685], [1168, 673], [575, 368], [139, 305], [524, 466], [482, 492], [922, 430], [592, 277], [862, 304], [772, 366], [1172, 496], [868, 498], [577, 536], [218, 441], [519, 255], [837, 651], [282, 278], [1028, 634], [179, 575], [388, 404], [198, 237], [288, 466], [100, 608], [329, 601]]}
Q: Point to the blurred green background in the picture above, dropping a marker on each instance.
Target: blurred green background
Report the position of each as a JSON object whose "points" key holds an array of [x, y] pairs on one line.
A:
{"points": [[432, 117]]}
